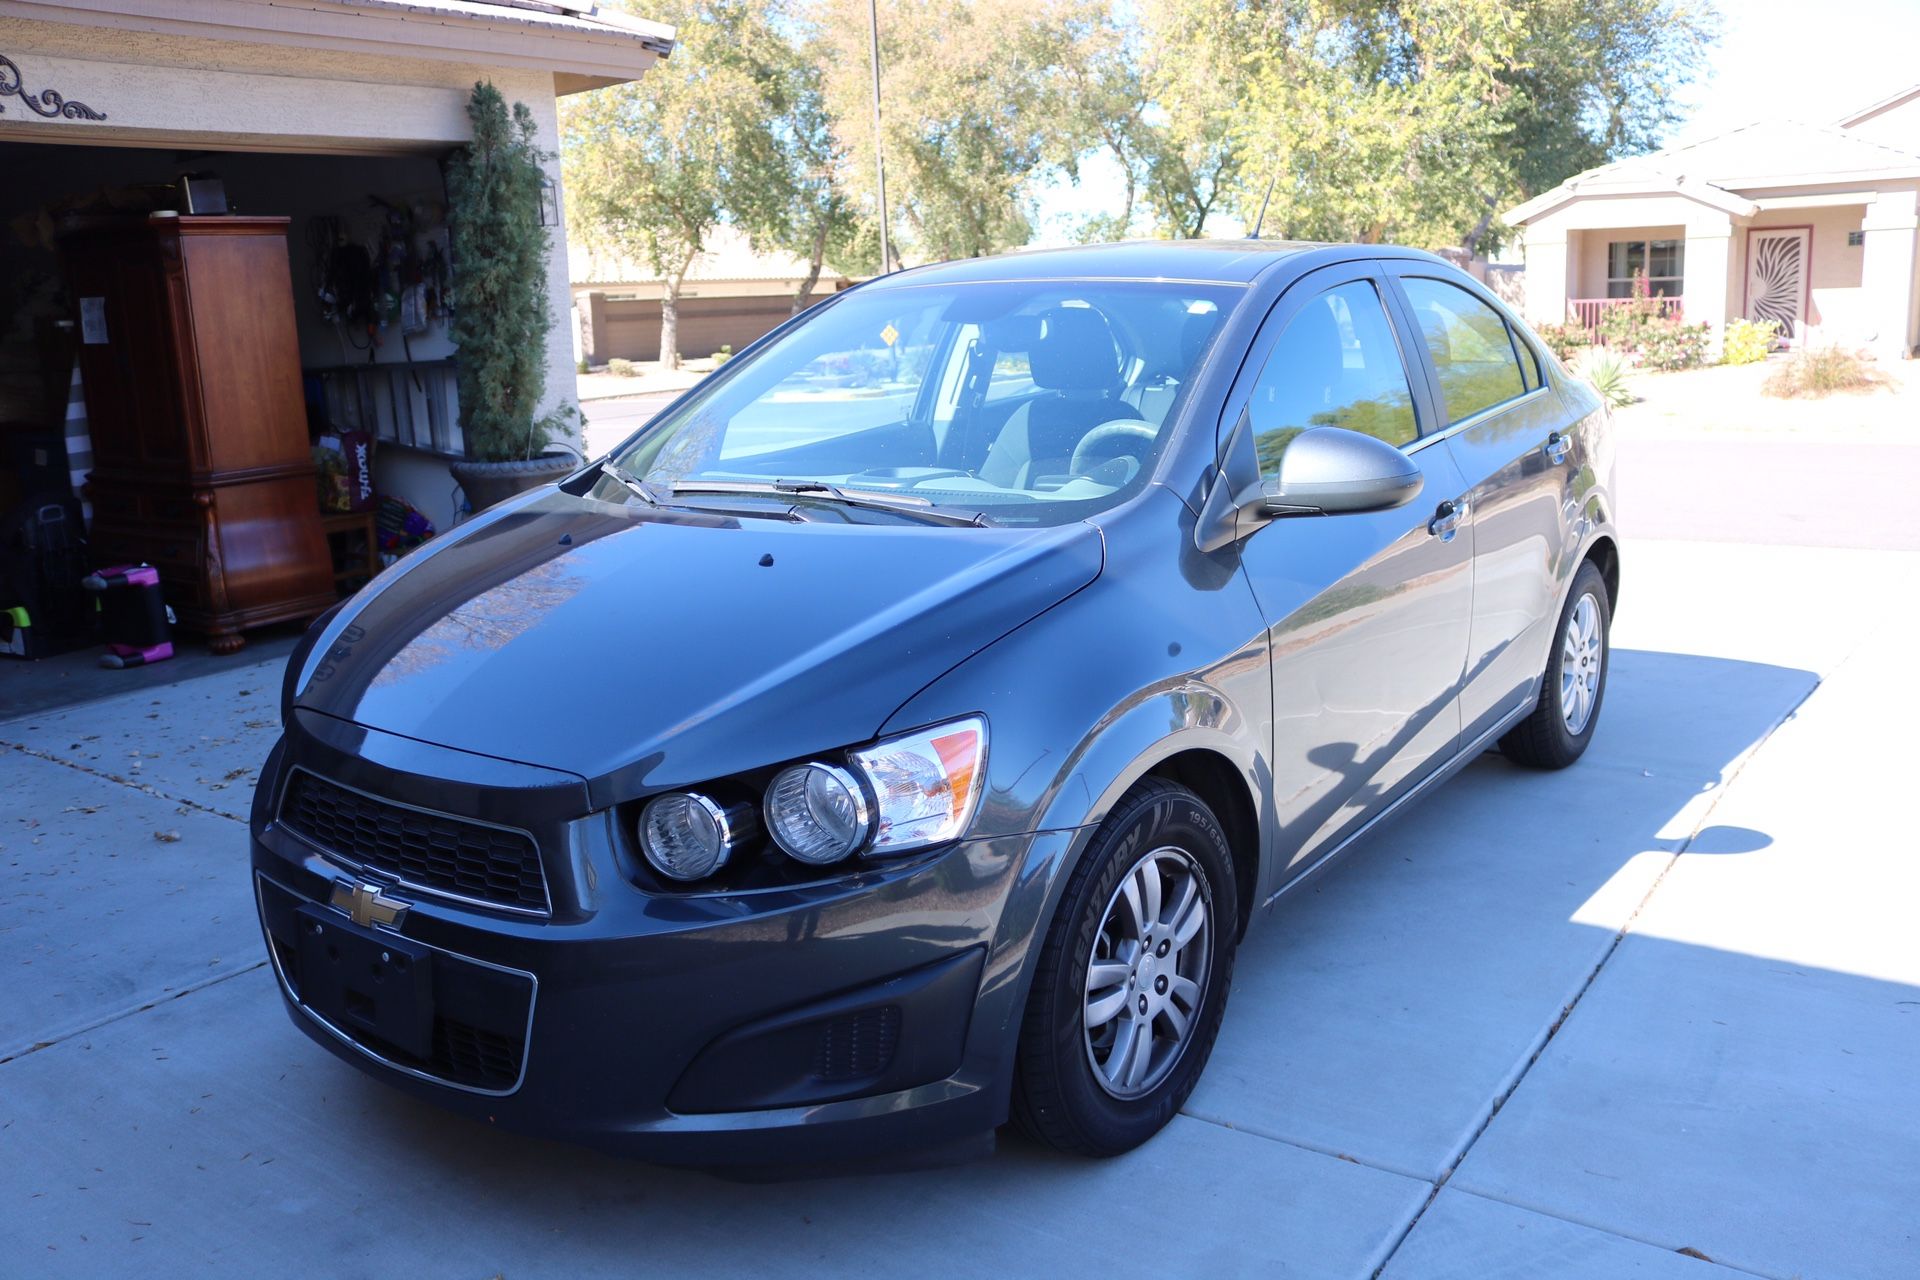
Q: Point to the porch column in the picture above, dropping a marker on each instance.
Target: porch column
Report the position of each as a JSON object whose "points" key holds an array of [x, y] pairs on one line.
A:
{"points": [[1887, 274], [1546, 282], [1704, 293]]}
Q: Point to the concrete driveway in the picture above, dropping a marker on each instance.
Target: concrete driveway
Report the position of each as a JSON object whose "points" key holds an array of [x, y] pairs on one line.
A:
{"points": [[1662, 1007]]}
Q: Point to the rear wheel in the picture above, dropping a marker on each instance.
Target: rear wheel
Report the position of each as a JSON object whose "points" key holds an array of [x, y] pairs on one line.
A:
{"points": [[1557, 731], [1131, 984]]}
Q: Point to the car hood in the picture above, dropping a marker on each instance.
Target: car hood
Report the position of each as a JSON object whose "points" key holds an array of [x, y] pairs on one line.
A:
{"points": [[644, 649]]}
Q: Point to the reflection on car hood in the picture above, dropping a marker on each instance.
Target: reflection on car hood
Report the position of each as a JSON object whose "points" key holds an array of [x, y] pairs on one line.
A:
{"points": [[639, 649]]}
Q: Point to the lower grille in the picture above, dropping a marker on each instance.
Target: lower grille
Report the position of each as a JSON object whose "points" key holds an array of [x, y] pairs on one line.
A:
{"points": [[426, 850], [860, 1045], [470, 1055]]}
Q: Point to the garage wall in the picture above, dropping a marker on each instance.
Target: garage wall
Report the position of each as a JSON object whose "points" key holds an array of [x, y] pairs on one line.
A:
{"points": [[190, 94], [629, 328]]}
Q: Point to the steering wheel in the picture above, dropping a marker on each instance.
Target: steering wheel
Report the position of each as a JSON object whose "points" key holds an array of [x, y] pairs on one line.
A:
{"points": [[1130, 430]]}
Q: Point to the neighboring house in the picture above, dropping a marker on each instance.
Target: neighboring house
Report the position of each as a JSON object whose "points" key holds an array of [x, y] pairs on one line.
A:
{"points": [[1811, 226], [732, 295], [337, 114]]}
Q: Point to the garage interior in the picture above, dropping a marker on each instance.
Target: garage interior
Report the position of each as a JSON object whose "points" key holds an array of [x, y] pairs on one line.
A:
{"points": [[232, 366]]}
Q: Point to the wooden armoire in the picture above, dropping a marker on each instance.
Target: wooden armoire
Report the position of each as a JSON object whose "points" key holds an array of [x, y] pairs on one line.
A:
{"points": [[191, 367]]}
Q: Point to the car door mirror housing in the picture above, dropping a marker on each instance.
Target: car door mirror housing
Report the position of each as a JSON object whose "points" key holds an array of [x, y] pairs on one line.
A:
{"points": [[1332, 471]]}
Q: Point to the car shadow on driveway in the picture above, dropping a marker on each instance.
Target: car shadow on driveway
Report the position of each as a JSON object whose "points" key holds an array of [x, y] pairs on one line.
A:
{"points": [[1379, 1019]]}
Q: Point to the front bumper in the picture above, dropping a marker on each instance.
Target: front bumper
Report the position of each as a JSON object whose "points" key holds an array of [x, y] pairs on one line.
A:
{"points": [[842, 1019]]}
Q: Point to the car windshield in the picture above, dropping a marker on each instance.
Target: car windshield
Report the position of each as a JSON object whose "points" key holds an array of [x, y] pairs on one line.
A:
{"points": [[1019, 402]]}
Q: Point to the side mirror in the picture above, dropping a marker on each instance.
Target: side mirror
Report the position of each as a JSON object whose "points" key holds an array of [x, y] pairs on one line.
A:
{"points": [[1330, 471]]}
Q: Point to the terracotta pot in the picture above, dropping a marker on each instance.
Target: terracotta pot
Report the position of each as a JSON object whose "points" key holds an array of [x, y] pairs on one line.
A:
{"points": [[486, 483]]}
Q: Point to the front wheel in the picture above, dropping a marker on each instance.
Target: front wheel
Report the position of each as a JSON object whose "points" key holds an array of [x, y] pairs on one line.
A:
{"points": [[1557, 731], [1132, 982]]}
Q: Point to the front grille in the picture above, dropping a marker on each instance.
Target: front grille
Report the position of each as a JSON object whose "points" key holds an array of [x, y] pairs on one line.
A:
{"points": [[426, 850]]}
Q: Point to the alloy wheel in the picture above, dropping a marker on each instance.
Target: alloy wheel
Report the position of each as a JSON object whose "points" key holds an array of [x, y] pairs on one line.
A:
{"points": [[1147, 975], [1582, 656]]}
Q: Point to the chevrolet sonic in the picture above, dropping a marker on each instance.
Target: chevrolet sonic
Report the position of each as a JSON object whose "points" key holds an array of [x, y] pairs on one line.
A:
{"points": [[899, 733]]}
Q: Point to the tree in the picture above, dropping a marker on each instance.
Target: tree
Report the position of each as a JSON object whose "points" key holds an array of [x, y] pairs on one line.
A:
{"points": [[500, 263], [1594, 80], [646, 161], [786, 181], [973, 106], [1411, 122], [1381, 121], [1195, 71]]}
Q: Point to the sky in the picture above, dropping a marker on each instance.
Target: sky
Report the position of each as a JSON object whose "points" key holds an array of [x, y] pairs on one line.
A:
{"points": [[1776, 59]]}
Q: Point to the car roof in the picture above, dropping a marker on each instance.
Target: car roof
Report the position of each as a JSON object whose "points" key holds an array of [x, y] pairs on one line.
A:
{"points": [[1236, 262]]}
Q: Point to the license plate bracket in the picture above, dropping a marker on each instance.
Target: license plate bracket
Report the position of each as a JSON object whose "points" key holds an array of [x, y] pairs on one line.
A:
{"points": [[377, 984]]}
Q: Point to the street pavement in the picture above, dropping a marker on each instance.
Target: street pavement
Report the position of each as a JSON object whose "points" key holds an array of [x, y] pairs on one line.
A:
{"points": [[1654, 1016]]}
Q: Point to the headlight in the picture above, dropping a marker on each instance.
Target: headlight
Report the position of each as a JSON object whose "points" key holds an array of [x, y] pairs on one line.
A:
{"points": [[688, 837], [818, 813], [925, 784]]}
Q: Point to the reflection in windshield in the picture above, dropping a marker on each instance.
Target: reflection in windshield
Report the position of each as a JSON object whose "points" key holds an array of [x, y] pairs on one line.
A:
{"points": [[1036, 402]]}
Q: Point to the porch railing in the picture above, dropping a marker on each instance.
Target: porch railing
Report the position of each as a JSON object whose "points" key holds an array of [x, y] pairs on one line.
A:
{"points": [[1586, 312]]}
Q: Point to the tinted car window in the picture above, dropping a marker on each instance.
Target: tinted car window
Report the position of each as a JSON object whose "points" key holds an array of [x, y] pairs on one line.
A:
{"points": [[1335, 365], [1471, 349], [974, 396]]}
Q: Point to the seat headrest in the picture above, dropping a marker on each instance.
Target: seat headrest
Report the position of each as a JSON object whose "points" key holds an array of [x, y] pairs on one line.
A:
{"points": [[1075, 351]]}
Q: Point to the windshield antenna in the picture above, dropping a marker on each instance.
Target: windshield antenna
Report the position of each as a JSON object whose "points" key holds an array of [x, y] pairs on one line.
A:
{"points": [[1261, 221]]}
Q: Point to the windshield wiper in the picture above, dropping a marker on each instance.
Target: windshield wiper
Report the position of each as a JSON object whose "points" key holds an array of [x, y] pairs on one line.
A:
{"points": [[634, 483], [819, 490]]}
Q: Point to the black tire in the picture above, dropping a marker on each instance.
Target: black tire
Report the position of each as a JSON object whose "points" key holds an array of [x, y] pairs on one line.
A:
{"points": [[1056, 1096], [1544, 740]]}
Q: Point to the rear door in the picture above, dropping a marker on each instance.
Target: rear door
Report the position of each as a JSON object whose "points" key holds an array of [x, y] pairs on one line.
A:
{"points": [[1368, 613], [1508, 433]]}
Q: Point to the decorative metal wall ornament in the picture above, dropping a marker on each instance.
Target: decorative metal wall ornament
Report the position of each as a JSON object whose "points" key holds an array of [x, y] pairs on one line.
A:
{"points": [[47, 102]]}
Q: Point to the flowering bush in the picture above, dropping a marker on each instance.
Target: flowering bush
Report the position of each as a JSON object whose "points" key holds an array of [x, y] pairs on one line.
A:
{"points": [[1748, 341], [1670, 344], [1642, 328]]}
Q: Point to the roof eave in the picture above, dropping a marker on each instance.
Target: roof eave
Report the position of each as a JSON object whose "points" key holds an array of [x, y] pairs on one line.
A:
{"points": [[583, 52]]}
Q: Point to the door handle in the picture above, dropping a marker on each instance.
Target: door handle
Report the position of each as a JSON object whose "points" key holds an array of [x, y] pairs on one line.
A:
{"points": [[1447, 518], [1556, 450]]}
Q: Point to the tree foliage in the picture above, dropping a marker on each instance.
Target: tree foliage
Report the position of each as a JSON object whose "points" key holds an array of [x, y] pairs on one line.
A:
{"points": [[649, 163], [1375, 119], [973, 91], [500, 259]]}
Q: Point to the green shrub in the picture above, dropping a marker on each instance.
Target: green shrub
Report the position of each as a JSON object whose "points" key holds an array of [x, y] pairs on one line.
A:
{"points": [[1606, 373], [625, 368], [1748, 341], [581, 366], [1565, 340], [1819, 371], [500, 273], [1669, 344]]}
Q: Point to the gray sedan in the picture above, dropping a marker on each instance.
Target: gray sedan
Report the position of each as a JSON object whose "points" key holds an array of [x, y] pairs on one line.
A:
{"points": [[898, 733]]}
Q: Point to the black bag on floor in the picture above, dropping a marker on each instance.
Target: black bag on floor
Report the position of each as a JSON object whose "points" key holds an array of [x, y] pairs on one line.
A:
{"points": [[43, 557]]}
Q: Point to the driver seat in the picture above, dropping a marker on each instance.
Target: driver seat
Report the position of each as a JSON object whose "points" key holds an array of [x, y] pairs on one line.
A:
{"points": [[1076, 362]]}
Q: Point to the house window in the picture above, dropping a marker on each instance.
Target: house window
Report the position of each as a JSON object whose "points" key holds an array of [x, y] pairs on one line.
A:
{"points": [[1856, 239], [1661, 260]]}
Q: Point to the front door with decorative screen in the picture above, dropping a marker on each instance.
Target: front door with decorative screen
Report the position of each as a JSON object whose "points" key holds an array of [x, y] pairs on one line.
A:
{"points": [[1777, 278]]}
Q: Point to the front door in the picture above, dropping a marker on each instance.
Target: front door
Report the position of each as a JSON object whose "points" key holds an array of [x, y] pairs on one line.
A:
{"points": [[1367, 612], [1777, 278]]}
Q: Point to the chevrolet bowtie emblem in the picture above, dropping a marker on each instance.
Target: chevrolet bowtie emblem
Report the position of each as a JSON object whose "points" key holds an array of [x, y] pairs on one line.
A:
{"points": [[367, 905]]}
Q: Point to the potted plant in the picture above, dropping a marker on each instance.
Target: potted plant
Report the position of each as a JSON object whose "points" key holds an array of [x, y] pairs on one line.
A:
{"points": [[501, 320]]}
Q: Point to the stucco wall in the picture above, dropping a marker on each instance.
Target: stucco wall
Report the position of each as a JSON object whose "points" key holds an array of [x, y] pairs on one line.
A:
{"points": [[184, 93]]}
